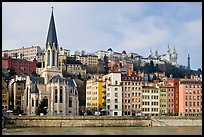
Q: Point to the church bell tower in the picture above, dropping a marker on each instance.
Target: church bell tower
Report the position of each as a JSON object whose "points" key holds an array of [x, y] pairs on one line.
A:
{"points": [[52, 47]]}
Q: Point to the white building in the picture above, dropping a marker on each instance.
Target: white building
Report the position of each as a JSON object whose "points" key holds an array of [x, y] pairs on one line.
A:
{"points": [[113, 89], [65, 52], [110, 54], [169, 57]]}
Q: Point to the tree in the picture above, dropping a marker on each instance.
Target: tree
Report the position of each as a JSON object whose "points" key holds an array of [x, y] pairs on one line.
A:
{"points": [[82, 52], [5, 55], [12, 72], [16, 54], [21, 55], [42, 107]]}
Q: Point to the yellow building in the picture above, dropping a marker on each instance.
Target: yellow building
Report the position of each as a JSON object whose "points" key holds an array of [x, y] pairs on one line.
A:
{"points": [[62, 59], [94, 94], [163, 100], [150, 101]]}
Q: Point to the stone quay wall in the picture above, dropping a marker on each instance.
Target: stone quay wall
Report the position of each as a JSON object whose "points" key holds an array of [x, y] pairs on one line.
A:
{"points": [[99, 121], [176, 121]]}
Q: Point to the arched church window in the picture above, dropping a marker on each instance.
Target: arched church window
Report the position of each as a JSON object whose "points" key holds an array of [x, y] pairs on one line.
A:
{"points": [[32, 104], [61, 94], [55, 95], [53, 58], [36, 103], [70, 102], [57, 60], [48, 58]]}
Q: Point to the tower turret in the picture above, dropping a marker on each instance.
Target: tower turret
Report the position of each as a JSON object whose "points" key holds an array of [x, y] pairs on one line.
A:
{"points": [[188, 61]]}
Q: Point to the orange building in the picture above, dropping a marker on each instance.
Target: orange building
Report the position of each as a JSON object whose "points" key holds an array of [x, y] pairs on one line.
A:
{"points": [[190, 97]]}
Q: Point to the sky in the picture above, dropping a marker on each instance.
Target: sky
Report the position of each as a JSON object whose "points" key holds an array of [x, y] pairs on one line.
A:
{"points": [[91, 26]]}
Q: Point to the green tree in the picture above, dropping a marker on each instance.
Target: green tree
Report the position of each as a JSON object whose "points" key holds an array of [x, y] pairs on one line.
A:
{"points": [[16, 54], [12, 72], [5, 55], [42, 107]]}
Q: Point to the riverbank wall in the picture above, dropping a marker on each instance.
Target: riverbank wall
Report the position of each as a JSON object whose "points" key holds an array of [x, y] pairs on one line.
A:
{"points": [[100, 121]]}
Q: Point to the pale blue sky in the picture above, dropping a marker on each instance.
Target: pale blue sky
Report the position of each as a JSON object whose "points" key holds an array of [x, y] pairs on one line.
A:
{"points": [[133, 27]]}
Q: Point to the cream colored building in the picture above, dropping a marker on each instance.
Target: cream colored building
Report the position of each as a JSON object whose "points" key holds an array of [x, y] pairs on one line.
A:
{"points": [[150, 100], [29, 53], [88, 60]]}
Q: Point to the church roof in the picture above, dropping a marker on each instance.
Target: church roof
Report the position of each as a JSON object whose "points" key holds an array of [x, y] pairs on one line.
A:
{"points": [[69, 82], [56, 78], [110, 49], [36, 79], [52, 35]]}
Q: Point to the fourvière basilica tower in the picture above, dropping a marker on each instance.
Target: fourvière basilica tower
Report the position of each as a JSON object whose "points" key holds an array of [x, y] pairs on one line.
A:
{"points": [[59, 94]]}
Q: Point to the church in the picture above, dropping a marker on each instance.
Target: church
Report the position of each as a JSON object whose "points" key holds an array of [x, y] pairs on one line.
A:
{"points": [[170, 57], [59, 94]]}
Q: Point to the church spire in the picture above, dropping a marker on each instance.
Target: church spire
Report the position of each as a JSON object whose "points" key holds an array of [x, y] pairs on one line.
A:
{"points": [[52, 35]]}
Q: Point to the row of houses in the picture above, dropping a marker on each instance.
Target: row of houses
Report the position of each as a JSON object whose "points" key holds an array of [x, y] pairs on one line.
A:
{"points": [[122, 94]]}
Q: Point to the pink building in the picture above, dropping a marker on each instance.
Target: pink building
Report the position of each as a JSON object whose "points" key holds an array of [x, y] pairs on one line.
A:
{"points": [[131, 94], [170, 97], [190, 97]]}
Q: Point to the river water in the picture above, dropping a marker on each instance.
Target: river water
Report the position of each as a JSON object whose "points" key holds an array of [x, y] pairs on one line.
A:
{"points": [[103, 131]]}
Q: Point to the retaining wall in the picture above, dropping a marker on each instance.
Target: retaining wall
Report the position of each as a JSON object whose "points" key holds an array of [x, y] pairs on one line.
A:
{"points": [[99, 121]]}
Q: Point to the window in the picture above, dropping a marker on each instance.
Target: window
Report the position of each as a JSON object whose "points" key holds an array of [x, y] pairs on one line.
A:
{"points": [[116, 100], [116, 94], [116, 82], [115, 113], [116, 89], [36, 103], [48, 59], [55, 95], [70, 102], [53, 58], [116, 106], [60, 95]]}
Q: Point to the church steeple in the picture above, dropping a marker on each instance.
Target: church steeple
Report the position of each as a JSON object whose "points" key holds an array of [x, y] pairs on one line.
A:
{"points": [[52, 48], [52, 35]]}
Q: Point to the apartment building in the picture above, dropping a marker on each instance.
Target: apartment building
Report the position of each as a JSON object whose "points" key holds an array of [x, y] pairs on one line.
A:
{"points": [[29, 53], [94, 94], [190, 97], [88, 60], [19, 65], [131, 94], [113, 91], [74, 67], [150, 101]]}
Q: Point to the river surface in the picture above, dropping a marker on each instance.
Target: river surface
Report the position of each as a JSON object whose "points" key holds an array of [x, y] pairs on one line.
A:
{"points": [[103, 131]]}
